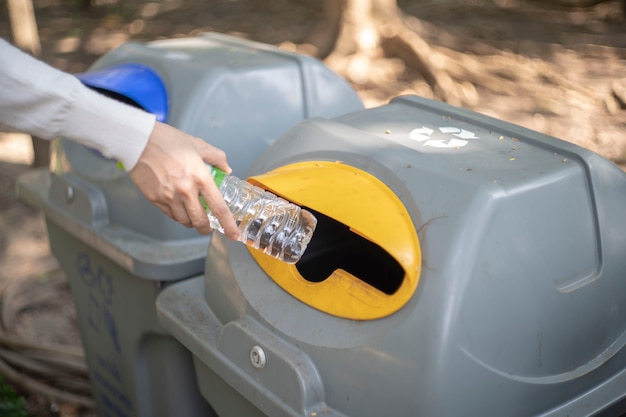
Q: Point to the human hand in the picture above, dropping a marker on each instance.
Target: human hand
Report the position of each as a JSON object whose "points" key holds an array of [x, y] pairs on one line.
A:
{"points": [[172, 174]]}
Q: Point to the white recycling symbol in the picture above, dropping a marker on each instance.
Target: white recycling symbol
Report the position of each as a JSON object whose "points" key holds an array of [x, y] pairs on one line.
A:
{"points": [[457, 137]]}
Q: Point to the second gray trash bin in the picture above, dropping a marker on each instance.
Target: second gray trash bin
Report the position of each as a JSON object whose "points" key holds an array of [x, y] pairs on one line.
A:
{"points": [[461, 266], [117, 249]]}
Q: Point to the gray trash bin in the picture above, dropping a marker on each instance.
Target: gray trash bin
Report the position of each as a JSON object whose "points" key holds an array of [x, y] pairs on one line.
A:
{"points": [[117, 249], [461, 266]]}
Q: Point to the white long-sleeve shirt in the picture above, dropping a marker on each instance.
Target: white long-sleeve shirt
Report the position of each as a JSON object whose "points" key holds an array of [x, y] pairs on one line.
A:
{"points": [[40, 100]]}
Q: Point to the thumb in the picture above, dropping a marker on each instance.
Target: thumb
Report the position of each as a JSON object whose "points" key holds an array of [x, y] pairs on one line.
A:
{"points": [[213, 156]]}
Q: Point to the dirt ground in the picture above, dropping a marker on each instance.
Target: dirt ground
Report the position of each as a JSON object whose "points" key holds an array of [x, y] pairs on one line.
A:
{"points": [[587, 47]]}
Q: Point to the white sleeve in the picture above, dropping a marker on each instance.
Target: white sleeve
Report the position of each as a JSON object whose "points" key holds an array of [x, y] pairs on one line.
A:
{"points": [[42, 101]]}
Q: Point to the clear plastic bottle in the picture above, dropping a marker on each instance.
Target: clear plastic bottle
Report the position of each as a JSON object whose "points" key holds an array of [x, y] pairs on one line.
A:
{"points": [[266, 222]]}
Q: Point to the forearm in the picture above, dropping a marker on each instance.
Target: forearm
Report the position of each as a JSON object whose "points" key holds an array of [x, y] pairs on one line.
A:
{"points": [[171, 171], [45, 102]]}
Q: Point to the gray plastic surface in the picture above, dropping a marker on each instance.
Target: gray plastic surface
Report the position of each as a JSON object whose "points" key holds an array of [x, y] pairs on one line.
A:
{"points": [[136, 368], [521, 305]]}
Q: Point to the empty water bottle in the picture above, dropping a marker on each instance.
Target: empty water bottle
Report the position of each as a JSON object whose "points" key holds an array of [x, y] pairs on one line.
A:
{"points": [[266, 222]]}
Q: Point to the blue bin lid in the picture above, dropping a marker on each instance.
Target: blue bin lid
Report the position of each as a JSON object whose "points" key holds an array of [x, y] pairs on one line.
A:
{"points": [[137, 82]]}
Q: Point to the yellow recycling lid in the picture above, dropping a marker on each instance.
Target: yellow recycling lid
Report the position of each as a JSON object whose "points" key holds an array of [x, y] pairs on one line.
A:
{"points": [[364, 259]]}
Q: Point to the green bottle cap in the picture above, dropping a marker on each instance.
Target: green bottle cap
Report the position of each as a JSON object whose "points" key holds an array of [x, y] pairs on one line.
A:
{"points": [[218, 176]]}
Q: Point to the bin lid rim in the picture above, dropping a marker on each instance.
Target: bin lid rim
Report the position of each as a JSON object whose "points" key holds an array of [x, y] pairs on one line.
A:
{"points": [[138, 82], [366, 205]]}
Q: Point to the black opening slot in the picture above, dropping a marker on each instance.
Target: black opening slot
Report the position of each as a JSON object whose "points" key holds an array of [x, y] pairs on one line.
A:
{"points": [[118, 97], [334, 246]]}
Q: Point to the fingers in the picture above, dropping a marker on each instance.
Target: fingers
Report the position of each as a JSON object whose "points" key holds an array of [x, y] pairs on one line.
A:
{"points": [[185, 206], [213, 156], [219, 209], [211, 194], [197, 216], [191, 213], [172, 174], [175, 209], [187, 211]]}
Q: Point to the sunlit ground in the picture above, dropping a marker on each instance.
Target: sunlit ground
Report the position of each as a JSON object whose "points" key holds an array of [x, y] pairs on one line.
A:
{"points": [[16, 148]]}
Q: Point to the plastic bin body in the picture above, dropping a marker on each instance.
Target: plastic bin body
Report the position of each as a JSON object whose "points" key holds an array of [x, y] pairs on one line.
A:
{"points": [[135, 367], [520, 305], [117, 249]]}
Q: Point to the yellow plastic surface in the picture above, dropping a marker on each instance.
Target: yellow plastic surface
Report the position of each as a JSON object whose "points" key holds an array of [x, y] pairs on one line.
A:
{"points": [[366, 205]]}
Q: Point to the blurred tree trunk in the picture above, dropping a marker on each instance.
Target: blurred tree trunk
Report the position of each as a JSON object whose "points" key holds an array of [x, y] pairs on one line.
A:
{"points": [[372, 41], [356, 33], [26, 37], [24, 25]]}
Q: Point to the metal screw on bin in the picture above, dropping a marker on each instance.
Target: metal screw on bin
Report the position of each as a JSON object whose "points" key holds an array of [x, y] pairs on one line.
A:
{"points": [[257, 357], [69, 194]]}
